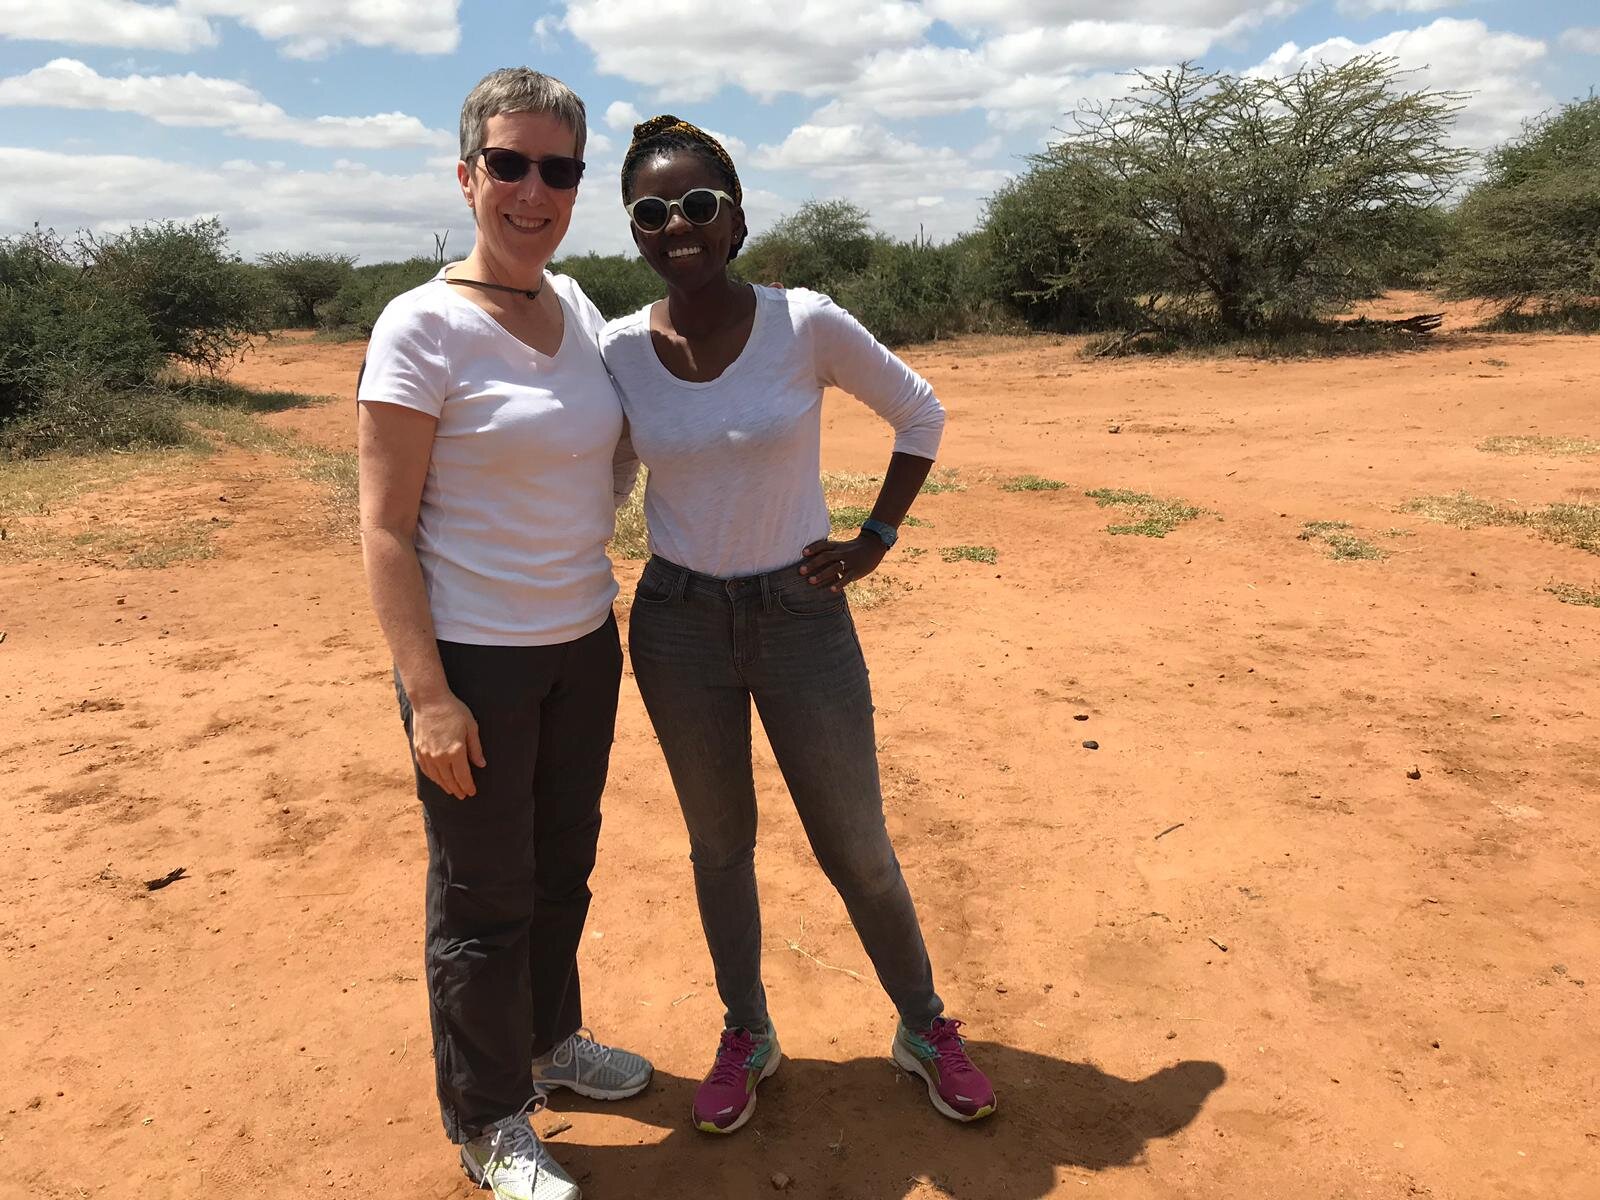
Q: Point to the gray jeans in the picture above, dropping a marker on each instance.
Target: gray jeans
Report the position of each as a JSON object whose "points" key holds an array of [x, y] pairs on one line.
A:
{"points": [[702, 649]]}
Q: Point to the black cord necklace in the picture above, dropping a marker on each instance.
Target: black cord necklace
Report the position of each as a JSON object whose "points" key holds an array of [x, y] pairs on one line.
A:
{"points": [[497, 287]]}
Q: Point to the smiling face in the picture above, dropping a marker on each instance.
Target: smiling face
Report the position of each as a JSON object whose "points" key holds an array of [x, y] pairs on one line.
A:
{"points": [[520, 224], [686, 255]]}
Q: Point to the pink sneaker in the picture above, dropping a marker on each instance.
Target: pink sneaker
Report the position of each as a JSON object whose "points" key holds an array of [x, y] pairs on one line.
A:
{"points": [[727, 1097], [939, 1056]]}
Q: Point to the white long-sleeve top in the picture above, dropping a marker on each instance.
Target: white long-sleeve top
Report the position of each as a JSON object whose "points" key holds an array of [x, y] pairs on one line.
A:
{"points": [[735, 463]]}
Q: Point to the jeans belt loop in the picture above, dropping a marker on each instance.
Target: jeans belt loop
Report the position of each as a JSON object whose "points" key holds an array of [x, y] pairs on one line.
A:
{"points": [[766, 593], [680, 584]]}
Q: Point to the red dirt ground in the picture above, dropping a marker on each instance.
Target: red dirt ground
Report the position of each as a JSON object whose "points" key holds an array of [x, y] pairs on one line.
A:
{"points": [[1406, 1001]]}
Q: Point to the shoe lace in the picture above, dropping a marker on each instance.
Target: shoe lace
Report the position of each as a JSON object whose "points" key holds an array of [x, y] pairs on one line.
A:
{"points": [[514, 1136], [732, 1054], [950, 1047], [584, 1048]]}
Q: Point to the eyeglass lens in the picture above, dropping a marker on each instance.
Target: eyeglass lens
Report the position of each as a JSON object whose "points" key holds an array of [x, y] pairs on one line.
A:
{"points": [[557, 171], [699, 207]]}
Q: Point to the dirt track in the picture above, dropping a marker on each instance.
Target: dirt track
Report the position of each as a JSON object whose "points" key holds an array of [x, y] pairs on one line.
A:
{"points": [[1406, 1005]]}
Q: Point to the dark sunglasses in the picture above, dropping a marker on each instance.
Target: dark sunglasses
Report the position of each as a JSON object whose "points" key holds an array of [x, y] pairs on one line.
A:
{"points": [[699, 206], [557, 170]]}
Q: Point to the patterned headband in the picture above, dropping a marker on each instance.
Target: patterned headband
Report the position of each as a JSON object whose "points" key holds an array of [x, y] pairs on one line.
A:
{"points": [[667, 123]]}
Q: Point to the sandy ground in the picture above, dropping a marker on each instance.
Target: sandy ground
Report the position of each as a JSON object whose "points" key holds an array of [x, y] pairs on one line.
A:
{"points": [[1235, 952]]}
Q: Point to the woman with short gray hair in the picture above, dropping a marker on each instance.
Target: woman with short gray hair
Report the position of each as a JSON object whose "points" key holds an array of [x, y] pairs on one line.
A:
{"points": [[488, 432]]}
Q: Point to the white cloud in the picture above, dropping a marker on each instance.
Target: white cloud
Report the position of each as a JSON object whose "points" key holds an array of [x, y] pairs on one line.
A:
{"points": [[1098, 43], [1450, 55], [806, 46], [1035, 14], [1367, 8], [314, 28], [267, 206], [545, 30], [903, 185], [1585, 41], [106, 23], [305, 28], [198, 101], [620, 115]]}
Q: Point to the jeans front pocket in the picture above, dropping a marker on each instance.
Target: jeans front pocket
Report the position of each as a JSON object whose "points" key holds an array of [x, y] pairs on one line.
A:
{"points": [[802, 599], [655, 586]]}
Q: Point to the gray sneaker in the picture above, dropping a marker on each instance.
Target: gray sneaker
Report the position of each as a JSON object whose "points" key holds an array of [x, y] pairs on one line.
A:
{"points": [[590, 1069], [510, 1162]]}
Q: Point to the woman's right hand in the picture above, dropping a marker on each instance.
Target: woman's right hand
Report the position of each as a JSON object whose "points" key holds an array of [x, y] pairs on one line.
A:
{"points": [[444, 737]]}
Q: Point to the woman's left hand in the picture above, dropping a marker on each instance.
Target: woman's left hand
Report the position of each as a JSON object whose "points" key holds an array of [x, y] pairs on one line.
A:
{"points": [[833, 564]]}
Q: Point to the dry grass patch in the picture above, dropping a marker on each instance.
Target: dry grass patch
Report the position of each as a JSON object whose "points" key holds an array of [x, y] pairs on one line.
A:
{"points": [[126, 548], [943, 480], [1157, 517], [1566, 523], [1539, 444], [631, 540], [977, 554], [1345, 547], [1031, 483], [1569, 593]]}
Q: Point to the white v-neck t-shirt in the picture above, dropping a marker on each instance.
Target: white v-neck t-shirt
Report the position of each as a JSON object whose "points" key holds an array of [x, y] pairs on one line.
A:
{"points": [[735, 463], [519, 499]]}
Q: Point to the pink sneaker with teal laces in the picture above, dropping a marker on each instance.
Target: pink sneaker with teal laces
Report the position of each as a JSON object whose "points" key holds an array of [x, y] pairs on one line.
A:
{"points": [[938, 1055], [727, 1097]]}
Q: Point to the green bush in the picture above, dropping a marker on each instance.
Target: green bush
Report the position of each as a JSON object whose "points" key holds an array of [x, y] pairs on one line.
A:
{"points": [[823, 245], [306, 281], [1029, 247], [58, 330], [202, 303], [356, 306], [618, 284], [1530, 231], [913, 292]]}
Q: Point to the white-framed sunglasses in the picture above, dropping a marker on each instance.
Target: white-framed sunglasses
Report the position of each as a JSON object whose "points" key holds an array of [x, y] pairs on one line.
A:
{"points": [[699, 206]]}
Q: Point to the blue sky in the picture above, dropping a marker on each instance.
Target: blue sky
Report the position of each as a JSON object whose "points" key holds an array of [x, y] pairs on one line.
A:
{"points": [[329, 124]]}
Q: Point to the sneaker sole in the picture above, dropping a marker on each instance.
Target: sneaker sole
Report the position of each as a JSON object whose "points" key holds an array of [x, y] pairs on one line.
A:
{"points": [[750, 1108], [475, 1174], [911, 1065], [594, 1093]]}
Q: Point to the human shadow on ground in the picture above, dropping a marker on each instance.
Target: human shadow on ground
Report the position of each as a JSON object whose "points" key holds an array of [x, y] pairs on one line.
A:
{"points": [[862, 1129]]}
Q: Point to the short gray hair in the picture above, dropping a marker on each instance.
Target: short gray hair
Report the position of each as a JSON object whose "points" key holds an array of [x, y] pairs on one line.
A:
{"points": [[516, 90]]}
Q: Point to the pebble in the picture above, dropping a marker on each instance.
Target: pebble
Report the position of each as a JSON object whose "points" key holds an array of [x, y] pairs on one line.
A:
{"points": [[1080, 716], [1413, 774], [1091, 744], [780, 1181]]}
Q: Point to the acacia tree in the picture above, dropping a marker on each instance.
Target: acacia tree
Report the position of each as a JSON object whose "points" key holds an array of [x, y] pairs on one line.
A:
{"points": [[307, 280], [1269, 200], [1531, 228], [202, 303]]}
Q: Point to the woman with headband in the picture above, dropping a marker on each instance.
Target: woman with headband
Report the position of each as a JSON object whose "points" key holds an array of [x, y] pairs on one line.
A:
{"points": [[488, 430], [743, 599]]}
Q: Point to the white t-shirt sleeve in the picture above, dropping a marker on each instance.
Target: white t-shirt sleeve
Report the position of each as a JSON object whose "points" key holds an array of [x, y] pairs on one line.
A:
{"points": [[848, 357], [407, 363]]}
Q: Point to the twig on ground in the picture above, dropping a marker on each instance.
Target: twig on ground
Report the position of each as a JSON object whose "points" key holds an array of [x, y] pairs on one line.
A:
{"points": [[683, 997], [804, 953], [172, 876], [1170, 829]]}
